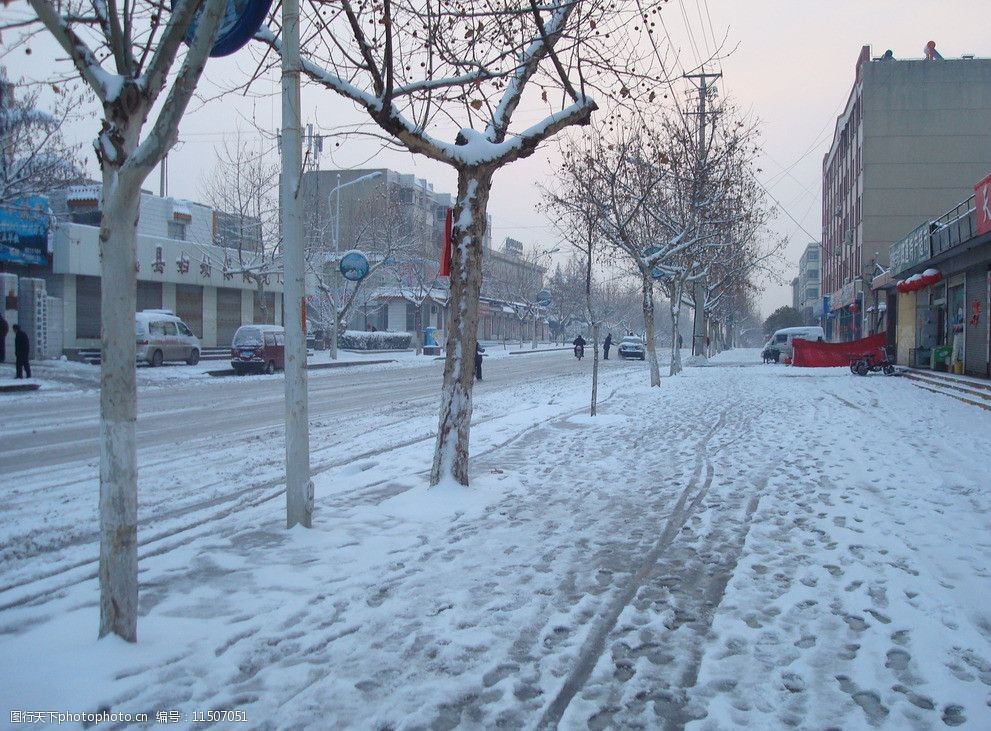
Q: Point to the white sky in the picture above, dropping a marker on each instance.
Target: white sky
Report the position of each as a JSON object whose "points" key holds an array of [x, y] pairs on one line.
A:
{"points": [[792, 67]]}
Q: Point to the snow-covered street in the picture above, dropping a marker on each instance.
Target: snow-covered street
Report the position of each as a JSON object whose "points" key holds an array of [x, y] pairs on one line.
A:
{"points": [[744, 547]]}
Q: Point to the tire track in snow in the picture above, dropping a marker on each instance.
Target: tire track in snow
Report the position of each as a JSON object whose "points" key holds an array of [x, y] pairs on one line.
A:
{"points": [[367, 490], [594, 645]]}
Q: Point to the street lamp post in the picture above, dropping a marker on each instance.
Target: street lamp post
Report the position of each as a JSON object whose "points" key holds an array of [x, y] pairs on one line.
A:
{"points": [[336, 192], [539, 256]]}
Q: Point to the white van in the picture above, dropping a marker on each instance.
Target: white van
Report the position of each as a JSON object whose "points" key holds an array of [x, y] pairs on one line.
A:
{"points": [[162, 336], [779, 346]]}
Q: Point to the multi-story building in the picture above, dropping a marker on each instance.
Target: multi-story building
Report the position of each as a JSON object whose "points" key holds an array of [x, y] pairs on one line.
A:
{"points": [[809, 284], [180, 268], [796, 299], [345, 209], [913, 137]]}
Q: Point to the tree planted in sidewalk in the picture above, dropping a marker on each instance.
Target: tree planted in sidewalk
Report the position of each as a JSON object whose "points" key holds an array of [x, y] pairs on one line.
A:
{"points": [[139, 42], [423, 70]]}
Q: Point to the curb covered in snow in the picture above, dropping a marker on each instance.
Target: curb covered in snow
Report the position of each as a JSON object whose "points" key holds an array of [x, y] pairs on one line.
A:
{"points": [[312, 366]]}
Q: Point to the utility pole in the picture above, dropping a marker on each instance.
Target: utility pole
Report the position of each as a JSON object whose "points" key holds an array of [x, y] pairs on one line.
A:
{"points": [[699, 329], [299, 488]]}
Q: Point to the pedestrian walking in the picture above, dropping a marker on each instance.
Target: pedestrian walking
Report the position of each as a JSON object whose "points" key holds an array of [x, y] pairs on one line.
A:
{"points": [[478, 361], [606, 344], [4, 329], [22, 346]]}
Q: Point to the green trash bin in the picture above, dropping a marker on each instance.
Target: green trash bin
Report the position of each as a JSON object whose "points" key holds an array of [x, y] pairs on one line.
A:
{"points": [[941, 357]]}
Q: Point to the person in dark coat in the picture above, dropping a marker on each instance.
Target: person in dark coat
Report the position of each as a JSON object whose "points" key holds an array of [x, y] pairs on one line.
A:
{"points": [[478, 361], [4, 329], [22, 346], [606, 344]]}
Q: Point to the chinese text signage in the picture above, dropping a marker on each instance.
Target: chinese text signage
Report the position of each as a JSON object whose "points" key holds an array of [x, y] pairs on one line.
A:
{"points": [[911, 250]]}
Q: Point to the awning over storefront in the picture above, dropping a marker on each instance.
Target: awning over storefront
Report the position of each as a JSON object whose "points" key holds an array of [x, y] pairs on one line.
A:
{"points": [[883, 281]]}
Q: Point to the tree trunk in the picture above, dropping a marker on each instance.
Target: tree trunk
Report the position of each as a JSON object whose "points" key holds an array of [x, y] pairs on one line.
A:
{"points": [[675, 329], [118, 409], [595, 366], [699, 329], [648, 323], [533, 346], [417, 336], [451, 452], [334, 330]]}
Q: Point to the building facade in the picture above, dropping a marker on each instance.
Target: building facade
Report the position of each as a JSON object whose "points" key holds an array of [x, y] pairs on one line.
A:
{"points": [[938, 289], [913, 137], [810, 284], [180, 268], [360, 209]]}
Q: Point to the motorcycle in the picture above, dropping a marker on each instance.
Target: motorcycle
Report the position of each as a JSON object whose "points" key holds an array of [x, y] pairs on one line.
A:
{"points": [[579, 351], [872, 363]]}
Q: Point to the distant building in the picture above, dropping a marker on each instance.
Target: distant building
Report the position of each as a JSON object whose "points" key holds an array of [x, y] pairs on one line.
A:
{"points": [[796, 299], [180, 268], [913, 138], [512, 247], [338, 205], [809, 284]]}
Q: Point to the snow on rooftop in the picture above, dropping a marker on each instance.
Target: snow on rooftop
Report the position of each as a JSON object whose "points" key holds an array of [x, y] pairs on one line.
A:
{"points": [[83, 193]]}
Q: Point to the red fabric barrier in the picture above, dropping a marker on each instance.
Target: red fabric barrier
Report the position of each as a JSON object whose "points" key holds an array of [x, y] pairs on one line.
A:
{"points": [[817, 354]]}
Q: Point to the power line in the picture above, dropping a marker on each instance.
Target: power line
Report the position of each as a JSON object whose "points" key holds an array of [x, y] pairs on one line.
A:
{"points": [[787, 212], [691, 35]]}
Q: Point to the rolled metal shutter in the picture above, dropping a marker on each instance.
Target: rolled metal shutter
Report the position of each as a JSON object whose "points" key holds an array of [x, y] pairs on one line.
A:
{"points": [[976, 317], [266, 317], [189, 306], [149, 296], [228, 315], [87, 306]]}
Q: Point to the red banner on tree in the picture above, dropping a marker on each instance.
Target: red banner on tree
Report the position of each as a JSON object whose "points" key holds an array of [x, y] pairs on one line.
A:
{"points": [[818, 354], [445, 249]]}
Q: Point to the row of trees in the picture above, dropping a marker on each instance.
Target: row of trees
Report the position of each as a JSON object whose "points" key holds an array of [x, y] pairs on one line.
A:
{"points": [[674, 203], [449, 83]]}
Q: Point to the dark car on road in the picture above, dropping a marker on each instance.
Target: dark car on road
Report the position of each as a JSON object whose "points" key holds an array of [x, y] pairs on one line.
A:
{"points": [[258, 349], [632, 347]]}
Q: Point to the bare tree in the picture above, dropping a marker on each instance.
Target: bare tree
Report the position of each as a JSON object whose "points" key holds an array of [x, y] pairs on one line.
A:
{"points": [[381, 234], [243, 189], [417, 280], [516, 280], [566, 286], [618, 180], [417, 67], [140, 45], [34, 156]]}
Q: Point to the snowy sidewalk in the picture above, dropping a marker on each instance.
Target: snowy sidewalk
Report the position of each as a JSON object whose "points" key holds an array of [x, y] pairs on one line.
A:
{"points": [[810, 552]]}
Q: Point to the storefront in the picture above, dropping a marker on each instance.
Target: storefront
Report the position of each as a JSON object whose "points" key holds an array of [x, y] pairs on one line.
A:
{"points": [[844, 320], [943, 273]]}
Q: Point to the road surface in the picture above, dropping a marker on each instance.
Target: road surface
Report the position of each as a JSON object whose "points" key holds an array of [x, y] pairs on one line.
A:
{"points": [[65, 429]]}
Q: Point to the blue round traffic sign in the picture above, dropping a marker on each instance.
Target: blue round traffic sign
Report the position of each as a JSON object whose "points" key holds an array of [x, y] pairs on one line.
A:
{"points": [[655, 272], [544, 298], [242, 19], [354, 266]]}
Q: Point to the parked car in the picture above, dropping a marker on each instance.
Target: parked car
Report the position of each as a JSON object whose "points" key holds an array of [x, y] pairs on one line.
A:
{"points": [[164, 337], [780, 344], [258, 349], [632, 347]]}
